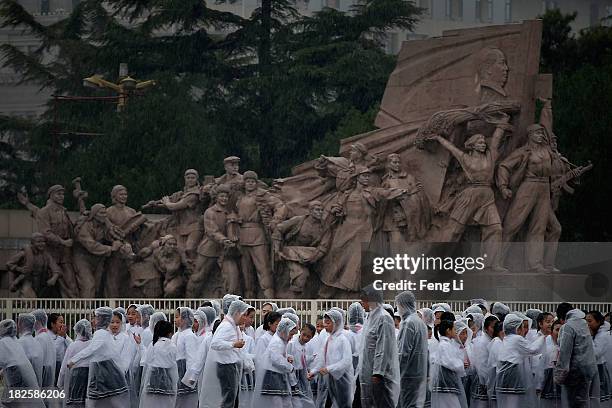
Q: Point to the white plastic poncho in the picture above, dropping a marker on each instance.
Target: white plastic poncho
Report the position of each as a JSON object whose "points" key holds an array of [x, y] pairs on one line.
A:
{"points": [[223, 366], [260, 330], [32, 348], [336, 357], [106, 384], [16, 368], [186, 354], [356, 319], [273, 380], [515, 387], [446, 371], [549, 392], [200, 317], [146, 337], [46, 342], [427, 315], [74, 380], [379, 342], [302, 393], [479, 359], [160, 377], [227, 301], [413, 353], [247, 381]]}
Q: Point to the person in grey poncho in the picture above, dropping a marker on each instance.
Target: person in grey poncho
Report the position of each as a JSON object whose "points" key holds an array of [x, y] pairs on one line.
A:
{"points": [[378, 374], [413, 351]]}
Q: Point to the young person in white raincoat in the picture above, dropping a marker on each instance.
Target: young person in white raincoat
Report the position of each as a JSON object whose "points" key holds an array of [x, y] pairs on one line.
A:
{"points": [[160, 378], [447, 368], [74, 380], [31, 347]]}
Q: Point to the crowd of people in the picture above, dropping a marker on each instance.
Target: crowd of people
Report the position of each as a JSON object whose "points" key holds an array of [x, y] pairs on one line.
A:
{"points": [[371, 355]]}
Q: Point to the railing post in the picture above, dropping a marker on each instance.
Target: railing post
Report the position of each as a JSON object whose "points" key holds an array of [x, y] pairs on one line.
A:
{"points": [[9, 308], [314, 310]]}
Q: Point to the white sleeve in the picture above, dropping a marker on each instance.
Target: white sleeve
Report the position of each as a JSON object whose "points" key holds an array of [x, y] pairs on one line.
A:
{"points": [[345, 363], [98, 340], [223, 339], [197, 364], [532, 349]]}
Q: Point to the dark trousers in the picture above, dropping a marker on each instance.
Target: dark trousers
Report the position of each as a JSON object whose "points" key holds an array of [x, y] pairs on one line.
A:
{"points": [[229, 379]]}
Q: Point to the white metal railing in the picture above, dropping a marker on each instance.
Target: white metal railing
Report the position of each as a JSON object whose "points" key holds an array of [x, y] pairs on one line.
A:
{"points": [[308, 309]]}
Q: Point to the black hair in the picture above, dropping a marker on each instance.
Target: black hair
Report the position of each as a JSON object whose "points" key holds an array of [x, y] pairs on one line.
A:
{"points": [[488, 321], [271, 318], [562, 310], [319, 317], [541, 317], [498, 328], [119, 315], [310, 327], [131, 306], [447, 316], [215, 325], [556, 322], [599, 318], [443, 327], [207, 303], [52, 319], [483, 308], [163, 328], [397, 318]]}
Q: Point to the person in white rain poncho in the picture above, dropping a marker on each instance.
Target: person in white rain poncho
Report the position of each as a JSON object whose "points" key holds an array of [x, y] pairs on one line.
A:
{"points": [[32, 348], [106, 384], [201, 319], [447, 368], [602, 342], [356, 319], [576, 367], [549, 393], [247, 380], [193, 375], [514, 385], [464, 342], [222, 370], [16, 369], [186, 353], [133, 325], [334, 364], [261, 344], [274, 376], [44, 339], [479, 397], [297, 348], [378, 374], [74, 380], [494, 352], [160, 377], [412, 349]]}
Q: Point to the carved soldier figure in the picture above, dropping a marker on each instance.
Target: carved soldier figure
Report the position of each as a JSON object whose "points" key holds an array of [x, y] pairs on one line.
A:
{"points": [[524, 176], [186, 210], [475, 204], [300, 242], [94, 245], [34, 269], [258, 213], [405, 220], [126, 221], [342, 169], [354, 212], [54, 223], [232, 178], [214, 250]]}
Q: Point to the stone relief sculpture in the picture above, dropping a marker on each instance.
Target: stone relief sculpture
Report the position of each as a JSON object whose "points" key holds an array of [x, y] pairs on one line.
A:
{"points": [[456, 158]]}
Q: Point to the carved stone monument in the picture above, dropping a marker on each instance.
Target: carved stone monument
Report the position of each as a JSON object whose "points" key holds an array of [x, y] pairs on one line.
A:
{"points": [[458, 157]]}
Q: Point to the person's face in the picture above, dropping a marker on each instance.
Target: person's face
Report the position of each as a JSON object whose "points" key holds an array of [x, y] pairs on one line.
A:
{"points": [[429, 332], [247, 318], [480, 145], [131, 315], [232, 168], [58, 326], [364, 179], [365, 303], [121, 196], [490, 329], [115, 325], [319, 325], [316, 212], [537, 136], [39, 244], [177, 319], [196, 325], [265, 310], [293, 332], [58, 197], [592, 323], [222, 199], [191, 180], [101, 215], [498, 72], [607, 318], [250, 184], [523, 329], [451, 333], [274, 325], [437, 317], [305, 336], [545, 326], [397, 321], [355, 155], [463, 336], [328, 325], [395, 164], [555, 332]]}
